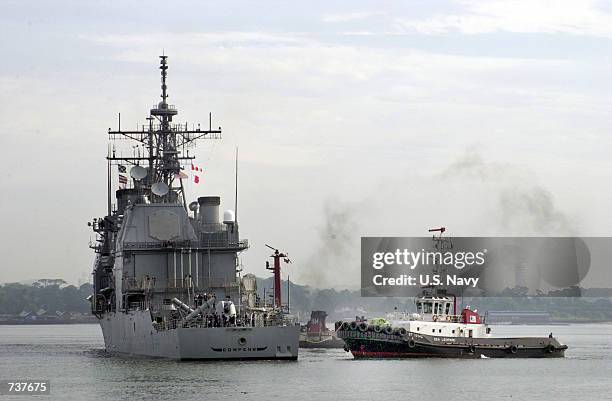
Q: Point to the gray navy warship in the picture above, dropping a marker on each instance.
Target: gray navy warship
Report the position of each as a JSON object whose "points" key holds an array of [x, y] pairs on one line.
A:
{"points": [[167, 279]]}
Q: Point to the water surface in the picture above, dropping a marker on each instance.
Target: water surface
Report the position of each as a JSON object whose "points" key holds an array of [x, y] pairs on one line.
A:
{"points": [[73, 358]]}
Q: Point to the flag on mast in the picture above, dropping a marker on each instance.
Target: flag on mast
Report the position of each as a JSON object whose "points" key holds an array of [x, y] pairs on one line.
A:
{"points": [[195, 173], [123, 180]]}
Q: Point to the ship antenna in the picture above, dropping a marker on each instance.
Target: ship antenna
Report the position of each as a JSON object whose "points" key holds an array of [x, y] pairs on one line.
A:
{"points": [[164, 142], [236, 188], [164, 72], [108, 178]]}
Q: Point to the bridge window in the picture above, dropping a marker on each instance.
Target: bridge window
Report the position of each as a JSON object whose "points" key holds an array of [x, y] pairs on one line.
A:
{"points": [[448, 308], [427, 307]]}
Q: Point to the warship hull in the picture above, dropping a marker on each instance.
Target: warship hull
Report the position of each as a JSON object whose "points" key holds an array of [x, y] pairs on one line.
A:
{"points": [[134, 334], [412, 345]]}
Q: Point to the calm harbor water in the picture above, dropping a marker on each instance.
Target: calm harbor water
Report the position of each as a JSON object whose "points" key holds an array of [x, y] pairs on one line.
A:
{"points": [[73, 358]]}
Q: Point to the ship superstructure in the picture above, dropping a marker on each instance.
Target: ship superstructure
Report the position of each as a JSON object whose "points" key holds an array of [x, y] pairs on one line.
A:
{"points": [[167, 278]]}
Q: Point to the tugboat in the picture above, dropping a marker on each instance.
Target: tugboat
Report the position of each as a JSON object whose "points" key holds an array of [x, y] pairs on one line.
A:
{"points": [[436, 330], [315, 333]]}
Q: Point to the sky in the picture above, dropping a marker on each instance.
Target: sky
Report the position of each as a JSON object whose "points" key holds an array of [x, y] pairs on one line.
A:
{"points": [[352, 119]]}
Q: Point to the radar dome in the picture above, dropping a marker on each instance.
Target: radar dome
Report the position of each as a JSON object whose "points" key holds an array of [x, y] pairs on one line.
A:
{"points": [[228, 216]]}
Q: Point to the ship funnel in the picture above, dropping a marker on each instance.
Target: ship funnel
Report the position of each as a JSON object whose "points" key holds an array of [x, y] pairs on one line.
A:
{"points": [[209, 209]]}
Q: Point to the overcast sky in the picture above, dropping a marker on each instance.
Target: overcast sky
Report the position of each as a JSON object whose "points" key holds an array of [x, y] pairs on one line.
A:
{"points": [[352, 118]]}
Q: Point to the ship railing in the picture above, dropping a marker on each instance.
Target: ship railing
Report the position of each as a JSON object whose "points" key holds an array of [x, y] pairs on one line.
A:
{"points": [[446, 318], [222, 243], [157, 245], [167, 106], [196, 323], [213, 227], [211, 323], [204, 243], [138, 306], [202, 282]]}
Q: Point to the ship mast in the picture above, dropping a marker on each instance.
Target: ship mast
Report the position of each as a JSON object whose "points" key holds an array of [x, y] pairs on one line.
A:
{"points": [[166, 144]]}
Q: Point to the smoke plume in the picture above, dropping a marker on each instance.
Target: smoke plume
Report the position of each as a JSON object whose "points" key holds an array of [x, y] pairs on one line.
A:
{"points": [[470, 196]]}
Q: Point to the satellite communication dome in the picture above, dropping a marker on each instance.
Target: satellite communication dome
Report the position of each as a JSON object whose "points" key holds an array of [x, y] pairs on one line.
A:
{"points": [[228, 216], [138, 172], [160, 188]]}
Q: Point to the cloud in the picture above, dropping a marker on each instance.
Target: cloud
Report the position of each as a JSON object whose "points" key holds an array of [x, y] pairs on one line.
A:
{"points": [[516, 16], [352, 16], [314, 114]]}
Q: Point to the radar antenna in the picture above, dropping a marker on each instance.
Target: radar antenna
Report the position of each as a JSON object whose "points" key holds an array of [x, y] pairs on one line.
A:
{"points": [[166, 145]]}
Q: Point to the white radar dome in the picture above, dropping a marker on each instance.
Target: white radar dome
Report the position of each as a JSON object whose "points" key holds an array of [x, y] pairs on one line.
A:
{"points": [[228, 216]]}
